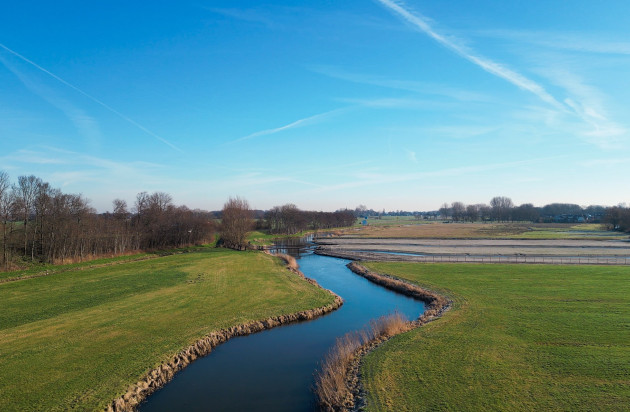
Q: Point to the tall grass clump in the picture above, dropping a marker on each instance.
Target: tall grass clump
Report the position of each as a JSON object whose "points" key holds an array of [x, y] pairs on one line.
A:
{"points": [[331, 384]]}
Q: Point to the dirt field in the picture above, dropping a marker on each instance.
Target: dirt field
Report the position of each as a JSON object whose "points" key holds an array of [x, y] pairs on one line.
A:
{"points": [[554, 251], [410, 229]]}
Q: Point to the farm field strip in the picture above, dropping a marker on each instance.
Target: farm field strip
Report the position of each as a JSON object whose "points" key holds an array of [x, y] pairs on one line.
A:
{"points": [[519, 337], [440, 242], [533, 231], [476, 250]]}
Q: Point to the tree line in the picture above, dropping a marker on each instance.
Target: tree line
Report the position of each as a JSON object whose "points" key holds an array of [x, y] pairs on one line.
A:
{"points": [[40, 223], [618, 218], [502, 209], [289, 219], [237, 220]]}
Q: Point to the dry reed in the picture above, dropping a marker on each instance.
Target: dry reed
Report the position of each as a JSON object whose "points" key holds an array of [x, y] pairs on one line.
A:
{"points": [[291, 262], [337, 383], [332, 387]]}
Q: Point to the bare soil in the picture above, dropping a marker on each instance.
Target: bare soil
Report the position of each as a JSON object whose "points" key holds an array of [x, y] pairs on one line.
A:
{"points": [[570, 251], [412, 229]]}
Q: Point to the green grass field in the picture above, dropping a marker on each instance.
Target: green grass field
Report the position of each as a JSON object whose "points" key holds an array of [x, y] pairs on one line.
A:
{"points": [[567, 231], [263, 238], [78, 338], [519, 337]]}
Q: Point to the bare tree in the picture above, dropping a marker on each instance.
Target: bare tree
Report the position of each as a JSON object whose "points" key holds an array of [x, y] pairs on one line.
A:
{"points": [[445, 211], [485, 211], [52, 226], [236, 223], [120, 209], [27, 191], [501, 208], [458, 210], [360, 211], [6, 202], [160, 202], [472, 212]]}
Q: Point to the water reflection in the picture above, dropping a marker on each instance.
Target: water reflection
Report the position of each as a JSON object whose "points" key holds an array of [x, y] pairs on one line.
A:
{"points": [[293, 246]]}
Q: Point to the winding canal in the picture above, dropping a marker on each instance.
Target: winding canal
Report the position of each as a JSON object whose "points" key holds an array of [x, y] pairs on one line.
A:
{"points": [[274, 370]]}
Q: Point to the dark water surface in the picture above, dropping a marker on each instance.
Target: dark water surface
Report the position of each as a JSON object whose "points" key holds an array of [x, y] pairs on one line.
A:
{"points": [[274, 370]]}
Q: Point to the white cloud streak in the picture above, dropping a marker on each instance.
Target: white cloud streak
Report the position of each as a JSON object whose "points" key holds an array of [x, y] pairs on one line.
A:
{"points": [[295, 124], [579, 42], [588, 104], [246, 15], [89, 96], [85, 124], [406, 85], [488, 65], [67, 167], [364, 179]]}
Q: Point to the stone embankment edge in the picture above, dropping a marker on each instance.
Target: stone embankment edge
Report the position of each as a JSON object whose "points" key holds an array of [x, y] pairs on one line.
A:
{"points": [[436, 305], [158, 377]]}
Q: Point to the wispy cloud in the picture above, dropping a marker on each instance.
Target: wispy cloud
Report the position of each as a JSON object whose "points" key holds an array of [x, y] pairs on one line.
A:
{"points": [[295, 124], [247, 15], [395, 103], [462, 131], [371, 178], [101, 169], [261, 180], [89, 96], [34, 157], [588, 104], [583, 101], [488, 65], [397, 84], [606, 162], [80, 173], [411, 155], [85, 124], [376, 103], [580, 42]]}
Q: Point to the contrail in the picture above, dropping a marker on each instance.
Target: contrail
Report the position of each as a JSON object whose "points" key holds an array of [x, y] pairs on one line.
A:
{"points": [[94, 99], [486, 64], [297, 123]]}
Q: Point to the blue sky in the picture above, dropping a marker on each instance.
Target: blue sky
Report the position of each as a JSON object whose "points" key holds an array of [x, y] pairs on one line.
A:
{"points": [[390, 104]]}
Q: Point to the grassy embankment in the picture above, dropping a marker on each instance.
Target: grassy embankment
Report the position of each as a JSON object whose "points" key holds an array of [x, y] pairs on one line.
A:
{"points": [[77, 339], [33, 269], [530, 337], [263, 238]]}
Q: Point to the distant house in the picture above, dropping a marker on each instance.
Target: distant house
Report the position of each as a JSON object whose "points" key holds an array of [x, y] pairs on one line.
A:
{"points": [[568, 218]]}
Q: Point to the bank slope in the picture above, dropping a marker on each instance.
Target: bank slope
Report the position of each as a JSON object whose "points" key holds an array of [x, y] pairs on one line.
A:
{"points": [[530, 337]]}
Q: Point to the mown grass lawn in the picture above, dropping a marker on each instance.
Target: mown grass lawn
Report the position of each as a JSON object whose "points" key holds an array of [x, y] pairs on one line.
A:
{"points": [[77, 339], [519, 337]]}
